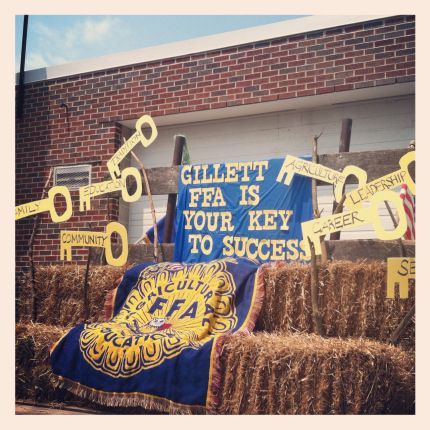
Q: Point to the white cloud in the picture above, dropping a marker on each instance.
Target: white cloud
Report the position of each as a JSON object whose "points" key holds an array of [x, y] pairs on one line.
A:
{"points": [[43, 30], [86, 37], [35, 60], [95, 32]]}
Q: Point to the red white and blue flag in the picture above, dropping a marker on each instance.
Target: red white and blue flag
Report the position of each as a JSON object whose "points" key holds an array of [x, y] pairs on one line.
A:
{"points": [[409, 206]]}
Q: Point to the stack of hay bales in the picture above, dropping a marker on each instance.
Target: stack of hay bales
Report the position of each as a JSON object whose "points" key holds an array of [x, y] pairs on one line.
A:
{"points": [[59, 298], [282, 368], [352, 301], [60, 294]]}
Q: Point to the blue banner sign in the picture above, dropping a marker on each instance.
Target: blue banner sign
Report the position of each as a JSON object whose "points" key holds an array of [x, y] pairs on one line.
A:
{"points": [[240, 210]]}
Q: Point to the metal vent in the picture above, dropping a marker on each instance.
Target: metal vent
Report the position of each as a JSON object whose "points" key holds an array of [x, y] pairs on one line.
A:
{"points": [[73, 177]]}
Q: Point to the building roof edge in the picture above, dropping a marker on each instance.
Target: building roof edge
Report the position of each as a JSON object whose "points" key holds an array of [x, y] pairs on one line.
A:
{"points": [[201, 44]]}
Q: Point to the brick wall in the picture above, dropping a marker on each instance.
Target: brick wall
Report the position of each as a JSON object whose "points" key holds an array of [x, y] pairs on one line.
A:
{"points": [[339, 59]]}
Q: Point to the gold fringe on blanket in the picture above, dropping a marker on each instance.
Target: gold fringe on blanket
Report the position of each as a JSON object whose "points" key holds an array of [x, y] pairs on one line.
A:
{"points": [[109, 304], [127, 400]]}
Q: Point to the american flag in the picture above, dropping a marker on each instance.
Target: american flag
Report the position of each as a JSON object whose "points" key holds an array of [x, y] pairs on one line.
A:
{"points": [[409, 206]]}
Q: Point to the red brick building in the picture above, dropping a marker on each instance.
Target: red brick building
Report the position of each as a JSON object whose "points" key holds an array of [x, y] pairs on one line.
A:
{"points": [[76, 115]]}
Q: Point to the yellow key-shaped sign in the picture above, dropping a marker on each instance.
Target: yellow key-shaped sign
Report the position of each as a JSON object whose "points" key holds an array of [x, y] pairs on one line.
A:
{"points": [[138, 136], [88, 192], [399, 271], [314, 229], [392, 180], [293, 165], [75, 238], [47, 205]]}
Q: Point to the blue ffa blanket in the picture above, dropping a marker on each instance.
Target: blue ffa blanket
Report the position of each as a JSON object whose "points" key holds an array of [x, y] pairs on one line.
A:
{"points": [[240, 210], [149, 236], [160, 349]]}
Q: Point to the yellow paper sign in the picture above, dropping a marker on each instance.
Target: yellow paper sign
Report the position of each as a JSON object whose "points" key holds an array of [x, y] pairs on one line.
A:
{"points": [[293, 165], [394, 179], [138, 136], [399, 271], [314, 229], [45, 205], [73, 238], [88, 192]]}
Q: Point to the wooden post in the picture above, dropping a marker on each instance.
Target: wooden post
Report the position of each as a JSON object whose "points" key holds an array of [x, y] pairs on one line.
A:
{"points": [[314, 181], [399, 240], [398, 332], [180, 142], [151, 202], [345, 141], [315, 208], [345, 135], [87, 270], [30, 253], [316, 315]]}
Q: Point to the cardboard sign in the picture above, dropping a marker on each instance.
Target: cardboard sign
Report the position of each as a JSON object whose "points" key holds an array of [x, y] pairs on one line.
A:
{"points": [[293, 165], [88, 192], [399, 271], [45, 205], [355, 198], [138, 136], [75, 238], [313, 230]]}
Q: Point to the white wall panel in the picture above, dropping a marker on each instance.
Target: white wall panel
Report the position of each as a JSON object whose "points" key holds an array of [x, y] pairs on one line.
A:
{"points": [[377, 124]]}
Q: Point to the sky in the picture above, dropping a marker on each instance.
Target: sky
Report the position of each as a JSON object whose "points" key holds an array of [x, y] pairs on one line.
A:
{"points": [[59, 39]]}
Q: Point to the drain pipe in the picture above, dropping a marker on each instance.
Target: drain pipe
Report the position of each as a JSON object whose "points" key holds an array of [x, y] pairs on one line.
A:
{"points": [[20, 103]]}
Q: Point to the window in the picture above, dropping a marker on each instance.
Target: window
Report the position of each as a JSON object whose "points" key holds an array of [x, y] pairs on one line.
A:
{"points": [[73, 177]]}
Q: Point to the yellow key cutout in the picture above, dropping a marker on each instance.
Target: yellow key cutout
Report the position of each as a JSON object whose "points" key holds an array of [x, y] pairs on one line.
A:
{"points": [[138, 136], [75, 238], [89, 191], [392, 180], [47, 205], [399, 271], [293, 165], [314, 229]]}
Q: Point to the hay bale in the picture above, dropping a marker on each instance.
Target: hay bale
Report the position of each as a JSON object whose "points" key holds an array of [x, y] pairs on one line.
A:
{"points": [[307, 374], [59, 293], [352, 301], [33, 373]]}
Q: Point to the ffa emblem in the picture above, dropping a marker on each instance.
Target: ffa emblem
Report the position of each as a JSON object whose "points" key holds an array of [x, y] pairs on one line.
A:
{"points": [[159, 323], [172, 307]]}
